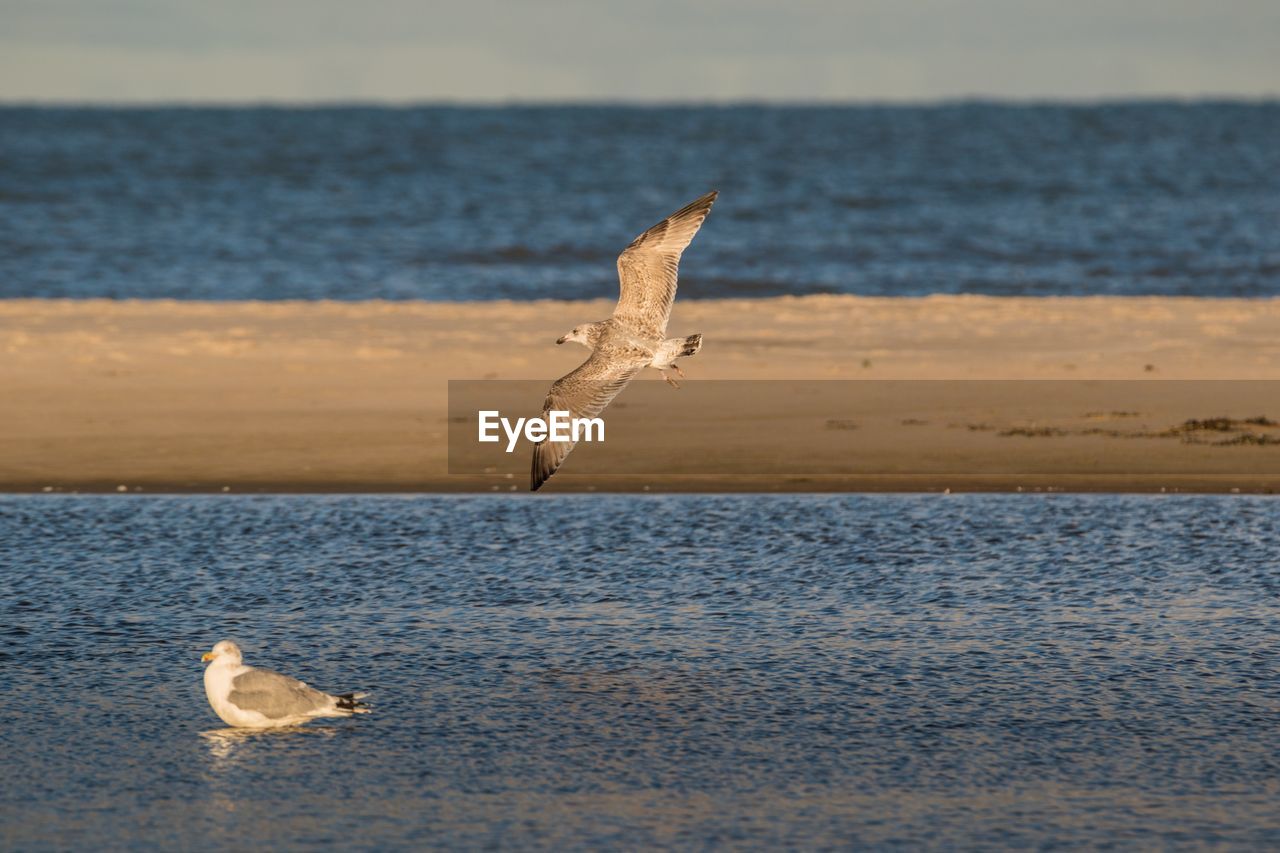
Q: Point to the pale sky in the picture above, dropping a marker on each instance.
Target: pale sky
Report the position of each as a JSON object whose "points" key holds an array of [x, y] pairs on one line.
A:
{"points": [[302, 51]]}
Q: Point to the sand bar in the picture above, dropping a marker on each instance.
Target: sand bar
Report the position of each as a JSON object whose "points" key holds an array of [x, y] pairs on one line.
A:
{"points": [[327, 396]]}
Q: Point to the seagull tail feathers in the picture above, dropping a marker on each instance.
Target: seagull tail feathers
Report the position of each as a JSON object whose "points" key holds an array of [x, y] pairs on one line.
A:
{"points": [[692, 344], [350, 702]]}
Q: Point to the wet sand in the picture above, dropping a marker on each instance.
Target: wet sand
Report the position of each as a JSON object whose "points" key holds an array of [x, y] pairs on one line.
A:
{"points": [[321, 396]]}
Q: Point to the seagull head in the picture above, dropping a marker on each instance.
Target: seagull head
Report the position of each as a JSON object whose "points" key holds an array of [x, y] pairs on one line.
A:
{"points": [[225, 651], [584, 334]]}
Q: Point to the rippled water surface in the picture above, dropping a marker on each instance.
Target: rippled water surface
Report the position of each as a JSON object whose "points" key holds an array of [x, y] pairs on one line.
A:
{"points": [[528, 203], [631, 671]]}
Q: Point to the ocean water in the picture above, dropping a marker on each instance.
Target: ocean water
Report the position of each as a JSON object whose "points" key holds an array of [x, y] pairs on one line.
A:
{"points": [[532, 203], [625, 671]]}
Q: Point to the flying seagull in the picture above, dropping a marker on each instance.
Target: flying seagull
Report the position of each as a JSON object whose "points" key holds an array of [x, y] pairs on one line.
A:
{"points": [[633, 338], [262, 699]]}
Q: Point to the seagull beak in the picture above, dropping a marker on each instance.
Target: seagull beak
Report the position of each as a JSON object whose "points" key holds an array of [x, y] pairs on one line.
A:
{"points": [[207, 656], [562, 339]]}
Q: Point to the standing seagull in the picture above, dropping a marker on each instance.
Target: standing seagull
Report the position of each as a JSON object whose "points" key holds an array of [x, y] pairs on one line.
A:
{"points": [[633, 338]]}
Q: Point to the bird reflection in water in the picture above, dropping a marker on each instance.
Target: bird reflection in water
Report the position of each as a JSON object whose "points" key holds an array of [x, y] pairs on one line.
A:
{"points": [[227, 745]]}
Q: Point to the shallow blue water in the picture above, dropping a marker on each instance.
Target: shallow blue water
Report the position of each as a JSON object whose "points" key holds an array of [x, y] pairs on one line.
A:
{"points": [[524, 203], [636, 671]]}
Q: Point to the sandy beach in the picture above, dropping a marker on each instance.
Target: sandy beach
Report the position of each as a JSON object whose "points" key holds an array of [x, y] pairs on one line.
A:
{"points": [[330, 396]]}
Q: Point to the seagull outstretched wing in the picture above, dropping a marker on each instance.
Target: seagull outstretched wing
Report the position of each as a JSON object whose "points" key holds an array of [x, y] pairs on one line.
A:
{"points": [[584, 392], [648, 268]]}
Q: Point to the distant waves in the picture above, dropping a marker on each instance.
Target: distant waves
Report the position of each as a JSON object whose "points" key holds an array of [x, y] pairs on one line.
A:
{"points": [[464, 204]]}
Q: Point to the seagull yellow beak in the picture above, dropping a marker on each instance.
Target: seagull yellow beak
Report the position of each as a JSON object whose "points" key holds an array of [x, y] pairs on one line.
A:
{"points": [[207, 656]]}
